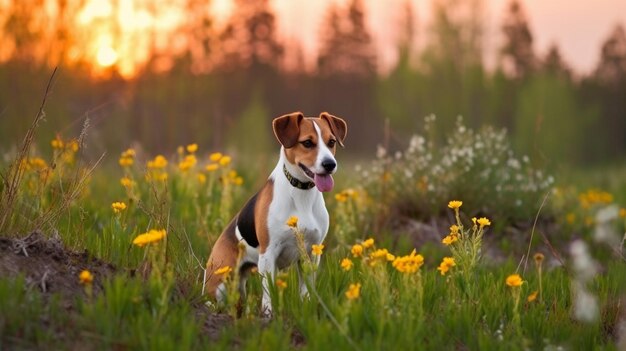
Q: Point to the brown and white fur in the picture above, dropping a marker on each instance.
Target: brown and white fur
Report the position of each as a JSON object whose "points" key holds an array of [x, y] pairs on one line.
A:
{"points": [[307, 153]]}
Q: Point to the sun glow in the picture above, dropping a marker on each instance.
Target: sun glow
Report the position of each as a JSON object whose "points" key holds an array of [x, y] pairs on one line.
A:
{"points": [[107, 56]]}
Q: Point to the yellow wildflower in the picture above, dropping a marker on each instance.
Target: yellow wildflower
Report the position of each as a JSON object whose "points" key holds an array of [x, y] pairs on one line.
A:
{"points": [[357, 250], [72, 145], [129, 153], [450, 239], [201, 178], [38, 163], [292, 222], [368, 243], [317, 249], [216, 156], [454, 229], [127, 182], [187, 163], [158, 162], [85, 277], [622, 212], [483, 222], [224, 271], [212, 167], [150, 237], [570, 218], [225, 160], [351, 193], [118, 207], [449, 261], [455, 204], [191, 148], [157, 176], [354, 291], [538, 258], [409, 263], [341, 197], [346, 264], [533, 296], [380, 255], [346, 194], [281, 284], [126, 161], [514, 280], [238, 181], [445, 265], [57, 143]]}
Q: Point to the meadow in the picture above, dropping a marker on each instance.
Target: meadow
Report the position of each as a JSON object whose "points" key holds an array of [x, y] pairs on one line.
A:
{"points": [[448, 244]]}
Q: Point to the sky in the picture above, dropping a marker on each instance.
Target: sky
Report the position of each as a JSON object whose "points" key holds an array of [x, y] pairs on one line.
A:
{"points": [[578, 26]]}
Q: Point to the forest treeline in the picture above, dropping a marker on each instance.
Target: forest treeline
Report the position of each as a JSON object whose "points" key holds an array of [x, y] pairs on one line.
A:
{"points": [[227, 82]]}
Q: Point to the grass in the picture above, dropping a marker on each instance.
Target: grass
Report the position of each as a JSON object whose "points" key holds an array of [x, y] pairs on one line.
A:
{"points": [[154, 300]]}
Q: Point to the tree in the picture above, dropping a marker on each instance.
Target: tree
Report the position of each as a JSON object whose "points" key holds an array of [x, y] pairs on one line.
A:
{"points": [[518, 57], [200, 34], [250, 58], [611, 69], [346, 67], [607, 86], [399, 93], [551, 123], [249, 40], [347, 47], [554, 64], [453, 62]]}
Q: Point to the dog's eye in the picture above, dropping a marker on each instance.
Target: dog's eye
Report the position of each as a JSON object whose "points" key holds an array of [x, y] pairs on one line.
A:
{"points": [[331, 143], [307, 144]]}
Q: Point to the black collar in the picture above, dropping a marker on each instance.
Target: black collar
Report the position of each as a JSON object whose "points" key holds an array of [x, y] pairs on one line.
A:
{"points": [[297, 182]]}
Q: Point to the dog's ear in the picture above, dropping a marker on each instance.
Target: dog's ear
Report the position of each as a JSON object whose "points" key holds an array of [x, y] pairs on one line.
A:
{"points": [[337, 125], [287, 128]]}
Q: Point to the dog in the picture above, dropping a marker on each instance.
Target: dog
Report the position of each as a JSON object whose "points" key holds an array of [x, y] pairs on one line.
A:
{"points": [[294, 188]]}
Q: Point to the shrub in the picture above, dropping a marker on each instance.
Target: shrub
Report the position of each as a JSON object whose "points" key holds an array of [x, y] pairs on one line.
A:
{"points": [[478, 166]]}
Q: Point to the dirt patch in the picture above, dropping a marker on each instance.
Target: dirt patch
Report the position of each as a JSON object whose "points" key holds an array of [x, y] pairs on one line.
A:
{"points": [[49, 267]]}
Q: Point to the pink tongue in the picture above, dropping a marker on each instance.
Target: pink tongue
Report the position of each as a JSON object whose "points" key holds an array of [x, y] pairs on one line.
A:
{"points": [[324, 182]]}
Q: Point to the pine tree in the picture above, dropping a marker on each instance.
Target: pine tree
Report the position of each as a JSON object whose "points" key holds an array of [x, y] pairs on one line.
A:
{"points": [[554, 64], [609, 79], [518, 57], [249, 39], [612, 67], [347, 47]]}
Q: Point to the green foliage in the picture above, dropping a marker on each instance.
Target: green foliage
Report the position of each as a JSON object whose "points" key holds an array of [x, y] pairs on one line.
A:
{"points": [[389, 297], [548, 104], [23, 312], [252, 133], [479, 167]]}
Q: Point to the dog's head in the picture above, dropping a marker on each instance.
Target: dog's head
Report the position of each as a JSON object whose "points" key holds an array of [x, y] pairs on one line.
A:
{"points": [[310, 143]]}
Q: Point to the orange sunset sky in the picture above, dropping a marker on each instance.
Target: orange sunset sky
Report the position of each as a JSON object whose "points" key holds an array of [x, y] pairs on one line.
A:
{"points": [[577, 26]]}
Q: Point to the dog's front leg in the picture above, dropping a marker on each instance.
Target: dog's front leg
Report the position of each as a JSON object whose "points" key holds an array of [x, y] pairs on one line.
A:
{"points": [[307, 277], [302, 277], [267, 269]]}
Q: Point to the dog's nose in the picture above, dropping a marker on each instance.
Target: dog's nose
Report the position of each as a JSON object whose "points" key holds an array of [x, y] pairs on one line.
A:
{"points": [[329, 165]]}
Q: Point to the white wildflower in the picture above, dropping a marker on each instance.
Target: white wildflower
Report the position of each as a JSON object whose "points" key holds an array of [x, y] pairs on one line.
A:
{"points": [[381, 152], [585, 304], [604, 231]]}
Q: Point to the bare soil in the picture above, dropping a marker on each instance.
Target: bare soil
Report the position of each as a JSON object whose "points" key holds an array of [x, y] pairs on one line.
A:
{"points": [[48, 267]]}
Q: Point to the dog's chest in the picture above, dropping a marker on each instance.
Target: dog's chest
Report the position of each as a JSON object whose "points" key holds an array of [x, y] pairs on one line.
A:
{"points": [[313, 223]]}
